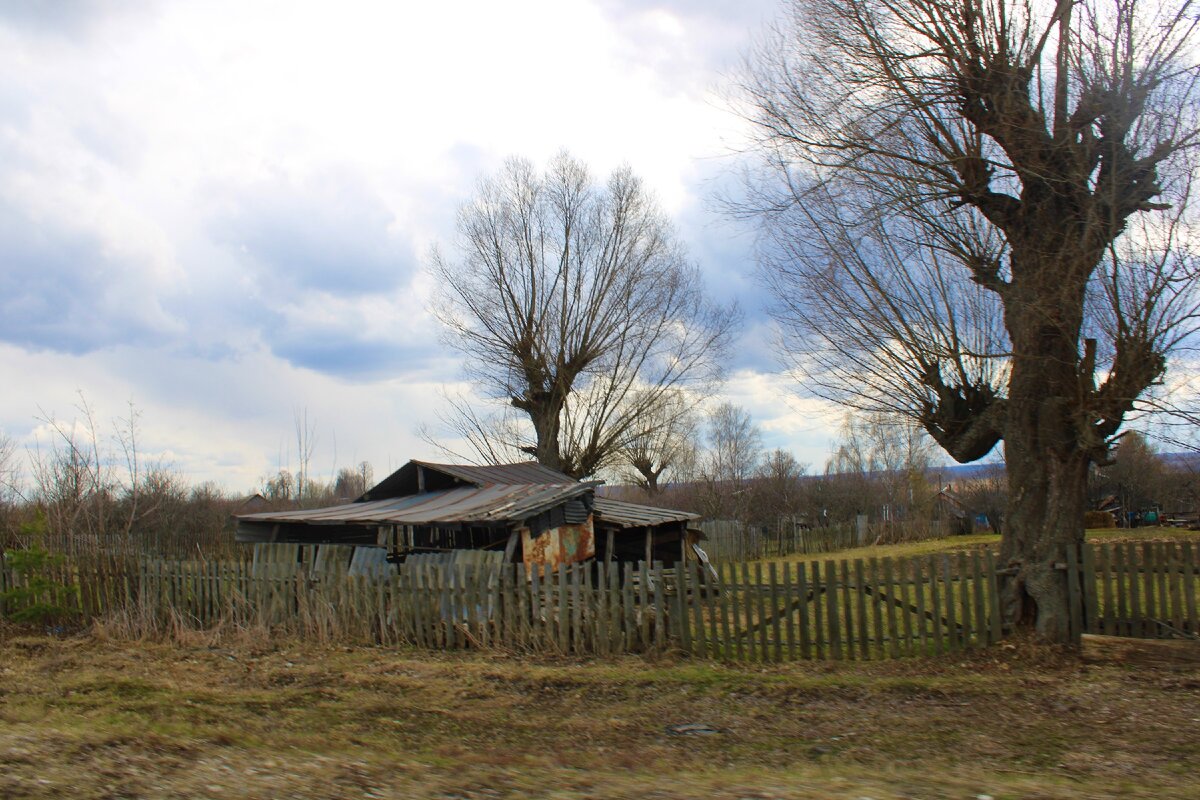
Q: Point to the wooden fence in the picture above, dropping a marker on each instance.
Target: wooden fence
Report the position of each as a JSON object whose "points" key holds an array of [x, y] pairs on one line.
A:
{"points": [[1143, 589], [831, 609]]}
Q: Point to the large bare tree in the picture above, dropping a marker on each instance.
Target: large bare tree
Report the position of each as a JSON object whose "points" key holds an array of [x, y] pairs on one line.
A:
{"points": [[575, 304], [978, 216]]}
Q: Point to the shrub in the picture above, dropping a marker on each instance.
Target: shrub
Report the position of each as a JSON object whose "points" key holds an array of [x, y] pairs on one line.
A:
{"points": [[1098, 519], [37, 596]]}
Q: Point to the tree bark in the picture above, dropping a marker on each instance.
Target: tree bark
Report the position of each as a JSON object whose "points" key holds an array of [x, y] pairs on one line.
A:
{"points": [[1047, 456], [546, 415]]}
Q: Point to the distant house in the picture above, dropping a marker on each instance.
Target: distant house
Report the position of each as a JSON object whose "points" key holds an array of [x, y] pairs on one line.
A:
{"points": [[516, 512]]}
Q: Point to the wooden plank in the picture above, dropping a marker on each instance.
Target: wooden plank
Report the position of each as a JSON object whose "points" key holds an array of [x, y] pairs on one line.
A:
{"points": [[952, 628], [564, 610], [595, 611], [802, 615], [760, 595], [1160, 569], [981, 616], [831, 611], [847, 608], [736, 589], [660, 609], [1108, 617], [1174, 587], [905, 581], [1149, 606], [576, 588], [1090, 589], [878, 606], [964, 601], [428, 596], [616, 585], [1189, 588], [752, 652], [727, 588], [630, 608], [643, 586], [935, 606], [1123, 627], [695, 578], [788, 595], [552, 607], [1074, 594], [777, 639], [893, 629], [820, 596], [864, 644], [711, 589]]}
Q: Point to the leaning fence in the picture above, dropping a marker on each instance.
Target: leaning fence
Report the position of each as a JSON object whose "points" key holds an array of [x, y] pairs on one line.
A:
{"points": [[819, 609]]}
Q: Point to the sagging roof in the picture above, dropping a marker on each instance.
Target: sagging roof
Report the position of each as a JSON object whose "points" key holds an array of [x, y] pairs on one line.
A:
{"points": [[494, 503], [417, 476], [424, 493], [633, 515]]}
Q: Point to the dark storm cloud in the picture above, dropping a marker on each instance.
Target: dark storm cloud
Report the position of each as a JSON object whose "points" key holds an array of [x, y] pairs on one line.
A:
{"points": [[330, 234]]}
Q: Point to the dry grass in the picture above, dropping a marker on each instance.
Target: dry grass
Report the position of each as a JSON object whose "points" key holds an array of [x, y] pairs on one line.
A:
{"points": [[980, 541], [224, 717]]}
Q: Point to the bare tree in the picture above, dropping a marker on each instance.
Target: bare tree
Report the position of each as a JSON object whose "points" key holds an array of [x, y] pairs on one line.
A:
{"points": [[576, 306], [730, 461], [882, 462], [1137, 476], [663, 444], [982, 225], [352, 482], [777, 493]]}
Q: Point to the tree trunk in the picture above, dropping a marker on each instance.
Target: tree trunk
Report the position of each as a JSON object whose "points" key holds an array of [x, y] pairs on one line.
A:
{"points": [[1047, 461], [546, 416]]}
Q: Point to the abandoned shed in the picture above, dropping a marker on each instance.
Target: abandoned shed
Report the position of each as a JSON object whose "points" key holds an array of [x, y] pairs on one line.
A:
{"points": [[520, 512]]}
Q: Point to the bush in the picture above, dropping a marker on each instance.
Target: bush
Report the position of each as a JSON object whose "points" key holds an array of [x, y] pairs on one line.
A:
{"points": [[1099, 519], [38, 596]]}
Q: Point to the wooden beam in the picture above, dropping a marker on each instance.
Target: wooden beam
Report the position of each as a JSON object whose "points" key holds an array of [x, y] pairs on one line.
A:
{"points": [[511, 547]]}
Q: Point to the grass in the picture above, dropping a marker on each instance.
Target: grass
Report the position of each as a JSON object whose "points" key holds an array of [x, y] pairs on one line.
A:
{"points": [[91, 718], [954, 544]]}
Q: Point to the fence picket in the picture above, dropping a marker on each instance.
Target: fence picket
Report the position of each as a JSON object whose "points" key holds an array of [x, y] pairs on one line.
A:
{"points": [[1189, 588]]}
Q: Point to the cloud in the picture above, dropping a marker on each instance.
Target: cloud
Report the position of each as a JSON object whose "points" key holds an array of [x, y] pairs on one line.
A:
{"points": [[328, 232], [63, 288], [61, 17]]}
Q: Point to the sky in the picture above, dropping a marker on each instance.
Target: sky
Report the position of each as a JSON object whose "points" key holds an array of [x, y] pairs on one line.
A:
{"points": [[219, 214]]}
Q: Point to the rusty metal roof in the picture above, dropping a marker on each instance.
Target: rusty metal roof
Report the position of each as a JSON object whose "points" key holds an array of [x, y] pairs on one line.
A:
{"points": [[493, 503], [633, 515], [526, 472], [418, 476]]}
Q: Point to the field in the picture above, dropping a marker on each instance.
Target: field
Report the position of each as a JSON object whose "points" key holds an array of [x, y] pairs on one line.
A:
{"points": [[93, 717], [975, 541]]}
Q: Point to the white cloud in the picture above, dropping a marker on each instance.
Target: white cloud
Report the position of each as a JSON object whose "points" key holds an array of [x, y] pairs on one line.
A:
{"points": [[219, 209]]}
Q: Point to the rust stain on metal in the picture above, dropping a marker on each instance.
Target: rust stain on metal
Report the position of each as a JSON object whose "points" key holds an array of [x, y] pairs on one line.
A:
{"points": [[567, 544]]}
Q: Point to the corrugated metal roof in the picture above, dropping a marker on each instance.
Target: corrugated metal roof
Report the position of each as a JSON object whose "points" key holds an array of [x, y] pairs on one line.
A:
{"points": [[632, 515], [526, 472], [495, 503]]}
